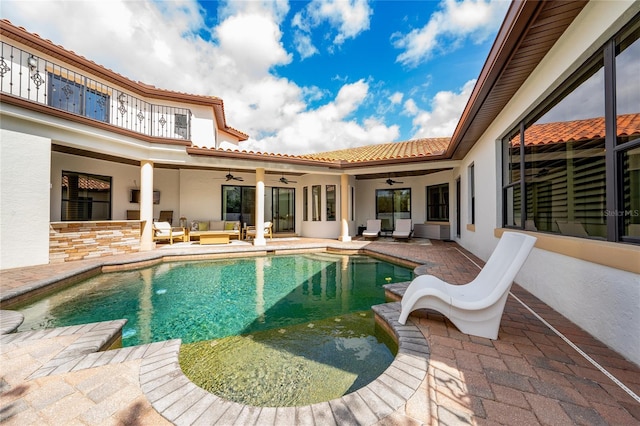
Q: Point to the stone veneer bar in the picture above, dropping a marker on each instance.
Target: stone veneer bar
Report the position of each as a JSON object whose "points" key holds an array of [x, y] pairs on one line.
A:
{"points": [[69, 241]]}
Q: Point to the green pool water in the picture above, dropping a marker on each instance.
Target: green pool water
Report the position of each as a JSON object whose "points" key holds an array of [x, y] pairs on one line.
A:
{"points": [[250, 327], [297, 365]]}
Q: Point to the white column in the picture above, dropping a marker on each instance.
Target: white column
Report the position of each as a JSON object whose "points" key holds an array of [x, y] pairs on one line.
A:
{"points": [[259, 239], [146, 205], [344, 209]]}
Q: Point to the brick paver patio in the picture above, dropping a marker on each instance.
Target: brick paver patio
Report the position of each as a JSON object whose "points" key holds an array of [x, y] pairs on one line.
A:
{"points": [[530, 375]]}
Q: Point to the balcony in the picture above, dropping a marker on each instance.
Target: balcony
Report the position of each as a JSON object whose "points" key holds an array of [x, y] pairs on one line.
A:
{"points": [[26, 76]]}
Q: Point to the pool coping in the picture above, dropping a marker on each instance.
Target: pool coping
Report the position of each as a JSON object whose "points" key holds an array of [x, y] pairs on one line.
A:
{"points": [[182, 402]]}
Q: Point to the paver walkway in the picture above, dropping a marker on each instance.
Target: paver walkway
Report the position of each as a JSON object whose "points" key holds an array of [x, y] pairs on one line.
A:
{"points": [[529, 375]]}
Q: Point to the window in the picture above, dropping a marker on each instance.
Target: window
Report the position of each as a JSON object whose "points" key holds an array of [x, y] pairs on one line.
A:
{"points": [[353, 203], [85, 197], [238, 203], [573, 166], [627, 66], [438, 202], [76, 98], [331, 202], [472, 194], [305, 204], [392, 204], [181, 127], [458, 215], [316, 203]]}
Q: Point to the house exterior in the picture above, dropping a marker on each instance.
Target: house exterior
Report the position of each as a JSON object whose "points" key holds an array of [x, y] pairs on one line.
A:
{"points": [[549, 143]]}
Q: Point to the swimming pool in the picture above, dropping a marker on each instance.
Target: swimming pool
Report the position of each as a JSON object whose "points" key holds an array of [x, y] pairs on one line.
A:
{"points": [[265, 331], [205, 300]]}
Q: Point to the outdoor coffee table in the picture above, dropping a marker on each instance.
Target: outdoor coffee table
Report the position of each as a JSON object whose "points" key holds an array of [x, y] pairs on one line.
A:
{"points": [[214, 237]]}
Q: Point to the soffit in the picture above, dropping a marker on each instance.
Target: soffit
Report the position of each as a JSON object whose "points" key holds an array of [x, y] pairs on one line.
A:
{"points": [[528, 32]]}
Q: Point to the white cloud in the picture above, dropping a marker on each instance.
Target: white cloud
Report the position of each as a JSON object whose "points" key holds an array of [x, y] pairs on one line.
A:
{"points": [[396, 98], [449, 27], [410, 107], [347, 18], [446, 108], [255, 51], [328, 127], [169, 45], [350, 17], [275, 9], [304, 45]]}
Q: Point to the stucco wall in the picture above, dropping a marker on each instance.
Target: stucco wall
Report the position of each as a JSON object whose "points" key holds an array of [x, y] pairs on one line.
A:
{"points": [[321, 228], [24, 199], [200, 194], [203, 126], [602, 300], [124, 179], [366, 195]]}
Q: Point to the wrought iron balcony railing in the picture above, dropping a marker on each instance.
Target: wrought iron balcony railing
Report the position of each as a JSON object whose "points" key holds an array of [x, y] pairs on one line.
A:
{"points": [[38, 80]]}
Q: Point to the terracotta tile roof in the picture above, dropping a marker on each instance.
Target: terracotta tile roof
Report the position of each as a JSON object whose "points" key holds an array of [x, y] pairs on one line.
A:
{"points": [[577, 130], [413, 149], [386, 151]]}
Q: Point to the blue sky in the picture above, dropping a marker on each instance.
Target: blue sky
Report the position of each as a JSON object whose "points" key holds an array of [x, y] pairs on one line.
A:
{"points": [[297, 76]]}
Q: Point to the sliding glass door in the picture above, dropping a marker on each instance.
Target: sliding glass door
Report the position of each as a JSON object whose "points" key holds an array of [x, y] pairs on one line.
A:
{"points": [[238, 203], [283, 209], [392, 204]]}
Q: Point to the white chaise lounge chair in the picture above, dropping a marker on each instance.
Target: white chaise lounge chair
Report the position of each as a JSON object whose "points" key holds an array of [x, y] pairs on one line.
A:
{"points": [[403, 230], [475, 308], [373, 228]]}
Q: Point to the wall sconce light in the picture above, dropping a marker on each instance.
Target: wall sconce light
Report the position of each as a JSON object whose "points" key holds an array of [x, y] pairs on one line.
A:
{"points": [[32, 62]]}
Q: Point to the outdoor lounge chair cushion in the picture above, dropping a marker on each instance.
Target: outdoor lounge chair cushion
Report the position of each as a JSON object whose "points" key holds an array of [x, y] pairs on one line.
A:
{"points": [[164, 231], [268, 230], [475, 308], [403, 229], [373, 228]]}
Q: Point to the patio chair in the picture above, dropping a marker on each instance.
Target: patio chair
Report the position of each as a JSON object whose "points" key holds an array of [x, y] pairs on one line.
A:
{"points": [[133, 214], [475, 308], [164, 231], [268, 230], [166, 216], [373, 228], [403, 230]]}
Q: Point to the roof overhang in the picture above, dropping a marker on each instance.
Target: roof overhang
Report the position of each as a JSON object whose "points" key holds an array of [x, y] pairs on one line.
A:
{"points": [[529, 30], [293, 159]]}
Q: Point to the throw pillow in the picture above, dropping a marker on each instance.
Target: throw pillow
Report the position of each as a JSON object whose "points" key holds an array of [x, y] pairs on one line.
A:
{"points": [[228, 226], [194, 226], [203, 226]]}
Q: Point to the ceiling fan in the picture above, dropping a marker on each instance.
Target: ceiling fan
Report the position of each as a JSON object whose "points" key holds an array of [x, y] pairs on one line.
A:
{"points": [[286, 181], [391, 181], [229, 177]]}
